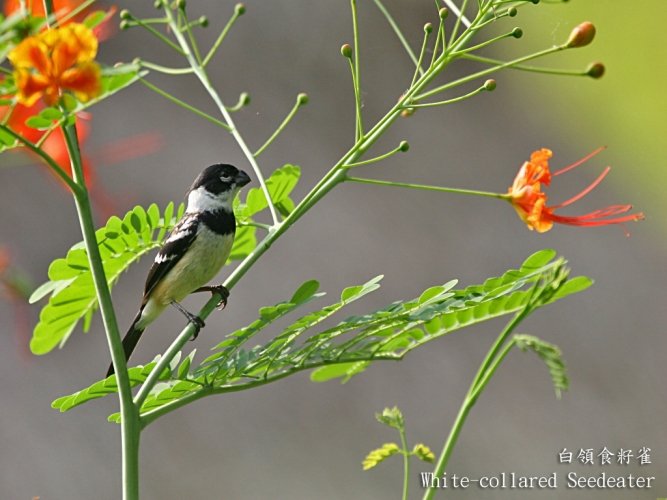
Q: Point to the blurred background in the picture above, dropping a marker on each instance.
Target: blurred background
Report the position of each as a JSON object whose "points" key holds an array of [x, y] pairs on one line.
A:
{"points": [[299, 440]]}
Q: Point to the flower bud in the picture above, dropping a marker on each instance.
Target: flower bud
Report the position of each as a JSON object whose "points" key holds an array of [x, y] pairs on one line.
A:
{"points": [[595, 70], [124, 25], [302, 99], [181, 4], [244, 98], [203, 21], [157, 4], [512, 11], [125, 14], [581, 36], [490, 85], [444, 12], [408, 111], [403, 146], [428, 28], [517, 33], [346, 50], [239, 9], [136, 61]]}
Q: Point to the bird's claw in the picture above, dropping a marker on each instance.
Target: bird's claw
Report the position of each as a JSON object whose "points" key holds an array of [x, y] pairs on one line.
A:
{"points": [[217, 289]]}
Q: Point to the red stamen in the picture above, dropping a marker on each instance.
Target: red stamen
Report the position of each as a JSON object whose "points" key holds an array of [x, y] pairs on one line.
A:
{"points": [[580, 161], [585, 191]]}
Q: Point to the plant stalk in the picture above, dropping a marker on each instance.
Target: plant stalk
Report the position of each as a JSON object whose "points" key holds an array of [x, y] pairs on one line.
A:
{"points": [[130, 417]]}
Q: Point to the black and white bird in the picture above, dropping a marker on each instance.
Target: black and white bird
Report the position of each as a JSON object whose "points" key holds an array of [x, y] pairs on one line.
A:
{"points": [[193, 253]]}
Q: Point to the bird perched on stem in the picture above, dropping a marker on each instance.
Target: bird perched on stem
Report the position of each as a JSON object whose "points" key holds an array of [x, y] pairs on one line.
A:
{"points": [[193, 253]]}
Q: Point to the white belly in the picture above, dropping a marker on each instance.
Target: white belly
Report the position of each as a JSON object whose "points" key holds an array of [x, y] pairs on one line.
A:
{"points": [[200, 264]]}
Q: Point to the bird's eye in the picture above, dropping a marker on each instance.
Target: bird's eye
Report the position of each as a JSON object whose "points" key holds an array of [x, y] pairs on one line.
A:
{"points": [[225, 178]]}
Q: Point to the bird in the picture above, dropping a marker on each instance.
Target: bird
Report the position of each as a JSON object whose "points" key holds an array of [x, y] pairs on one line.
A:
{"points": [[193, 252]]}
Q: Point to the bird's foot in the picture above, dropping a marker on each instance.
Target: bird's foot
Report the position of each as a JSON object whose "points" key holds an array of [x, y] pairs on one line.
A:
{"points": [[217, 289], [195, 320]]}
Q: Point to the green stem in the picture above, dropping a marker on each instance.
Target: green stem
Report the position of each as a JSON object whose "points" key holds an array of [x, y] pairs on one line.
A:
{"points": [[221, 37], [480, 74], [74, 187], [244, 100], [160, 35], [280, 129], [359, 128], [459, 17], [174, 348], [200, 72], [164, 69], [428, 188], [185, 105], [483, 44], [406, 464], [449, 101], [130, 416], [399, 34], [355, 71], [421, 55], [193, 42], [372, 160], [476, 388], [441, 33], [483, 382], [535, 69]]}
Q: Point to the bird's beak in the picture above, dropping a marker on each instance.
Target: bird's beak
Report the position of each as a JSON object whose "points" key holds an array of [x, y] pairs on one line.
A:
{"points": [[241, 179]]}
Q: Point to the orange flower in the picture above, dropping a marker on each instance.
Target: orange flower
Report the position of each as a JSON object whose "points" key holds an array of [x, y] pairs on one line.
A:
{"points": [[56, 60], [530, 202], [61, 7]]}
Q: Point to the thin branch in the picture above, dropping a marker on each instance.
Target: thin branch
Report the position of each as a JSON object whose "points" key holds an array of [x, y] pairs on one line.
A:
{"points": [[221, 37], [74, 187], [399, 34], [403, 147], [185, 105], [301, 99], [428, 188]]}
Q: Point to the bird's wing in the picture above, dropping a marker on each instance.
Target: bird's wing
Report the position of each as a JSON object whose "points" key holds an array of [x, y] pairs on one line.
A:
{"points": [[175, 246]]}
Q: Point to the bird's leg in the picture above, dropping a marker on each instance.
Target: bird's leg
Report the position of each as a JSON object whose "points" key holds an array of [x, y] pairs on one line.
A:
{"points": [[221, 289], [195, 320]]}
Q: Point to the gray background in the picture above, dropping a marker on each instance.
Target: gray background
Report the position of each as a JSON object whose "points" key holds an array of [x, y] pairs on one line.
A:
{"points": [[300, 440]]}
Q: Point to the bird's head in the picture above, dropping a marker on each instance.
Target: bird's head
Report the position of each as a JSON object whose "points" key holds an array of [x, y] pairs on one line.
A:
{"points": [[215, 188]]}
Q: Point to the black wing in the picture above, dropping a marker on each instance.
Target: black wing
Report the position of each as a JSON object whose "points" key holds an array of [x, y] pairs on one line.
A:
{"points": [[175, 246]]}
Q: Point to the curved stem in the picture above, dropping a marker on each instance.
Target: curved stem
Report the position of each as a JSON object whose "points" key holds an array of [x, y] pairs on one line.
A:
{"points": [[449, 101], [476, 388], [200, 71], [168, 71], [535, 69], [480, 74], [279, 129], [74, 187], [372, 160], [221, 37], [483, 44]]}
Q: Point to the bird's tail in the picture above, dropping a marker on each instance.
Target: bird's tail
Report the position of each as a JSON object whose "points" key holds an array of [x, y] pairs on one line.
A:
{"points": [[130, 340]]}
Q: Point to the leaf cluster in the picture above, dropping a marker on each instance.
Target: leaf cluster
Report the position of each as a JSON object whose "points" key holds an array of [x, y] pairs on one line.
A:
{"points": [[352, 345]]}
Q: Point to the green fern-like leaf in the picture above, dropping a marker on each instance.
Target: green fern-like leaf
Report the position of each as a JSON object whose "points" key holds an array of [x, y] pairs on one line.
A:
{"points": [[423, 453], [552, 357], [352, 345], [380, 455]]}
